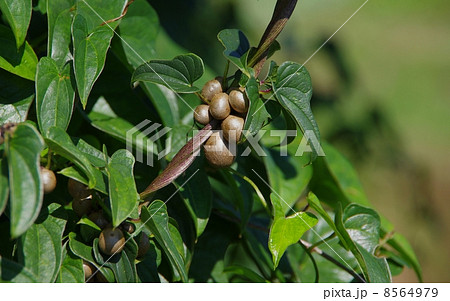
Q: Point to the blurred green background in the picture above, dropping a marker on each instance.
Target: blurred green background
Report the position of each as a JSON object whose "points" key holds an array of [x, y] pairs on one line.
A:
{"points": [[381, 96]]}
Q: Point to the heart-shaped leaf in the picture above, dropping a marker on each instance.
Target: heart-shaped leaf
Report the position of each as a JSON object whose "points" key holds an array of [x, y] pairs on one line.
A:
{"points": [[89, 52], [286, 231], [363, 225], [23, 148], [122, 188], [293, 90], [54, 95], [178, 74], [236, 47], [59, 16], [71, 270], [18, 14], [40, 247], [156, 220], [22, 61], [59, 141]]}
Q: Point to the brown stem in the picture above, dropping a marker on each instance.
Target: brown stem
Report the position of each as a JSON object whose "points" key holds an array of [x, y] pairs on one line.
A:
{"points": [[121, 16], [281, 14]]}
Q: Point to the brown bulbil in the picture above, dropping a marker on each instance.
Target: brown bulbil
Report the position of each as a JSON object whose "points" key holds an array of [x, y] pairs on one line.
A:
{"points": [[143, 246], [217, 152], [232, 128], [48, 179], [82, 206], [111, 241], [88, 270], [238, 101], [201, 114], [210, 89], [219, 107], [127, 227], [78, 190], [98, 219]]}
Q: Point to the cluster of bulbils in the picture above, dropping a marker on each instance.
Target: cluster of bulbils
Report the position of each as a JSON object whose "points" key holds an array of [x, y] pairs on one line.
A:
{"points": [[229, 108], [111, 240]]}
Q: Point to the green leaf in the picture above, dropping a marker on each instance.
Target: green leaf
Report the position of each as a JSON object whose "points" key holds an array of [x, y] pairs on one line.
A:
{"points": [[245, 273], [95, 156], [288, 175], [374, 269], [71, 270], [40, 248], [122, 188], [22, 61], [257, 113], [236, 47], [54, 95], [59, 141], [177, 74], [75, 173], [4, 185], [59, 16], [23, 150], [363, 226], [197, 201], [286, 231], [147, 269], [401, 245], [13, 272], [293, 90], [121, 264], [156, 220], [16, 112], [86, 252], [89, 53], [18, 15], [336, 181]]}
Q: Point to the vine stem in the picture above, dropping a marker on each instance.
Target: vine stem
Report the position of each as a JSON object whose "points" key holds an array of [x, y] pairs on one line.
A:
{"points": [[281, 14]]}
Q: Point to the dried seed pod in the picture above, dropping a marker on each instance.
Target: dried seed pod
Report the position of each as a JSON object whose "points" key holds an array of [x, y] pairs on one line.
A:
{"points": [[217, 152], [111, 241], [202, 115], [232, 128], [210, 89], [219, 107], [48, 180], [238, 101]]}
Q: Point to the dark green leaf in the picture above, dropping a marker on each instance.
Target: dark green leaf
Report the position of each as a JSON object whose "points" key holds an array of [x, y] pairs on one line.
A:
{"points": [[59, 16], [85, 252], [12, 272], [198, 201], [40, 248], [54, 95], [363, 226], [22, 61], [121, 264], [257, 113], [245, 273], [293, 90], [75, 173], [71, 270], [286, 231], [89, 52], [288, 175], [156, 220], [18, 14], [122, 188], [336, 181], [4, 185], [178, 74], [23, 150], [59, 141], [236, 47], [16, 112], [147, 269], [399, 243]]}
